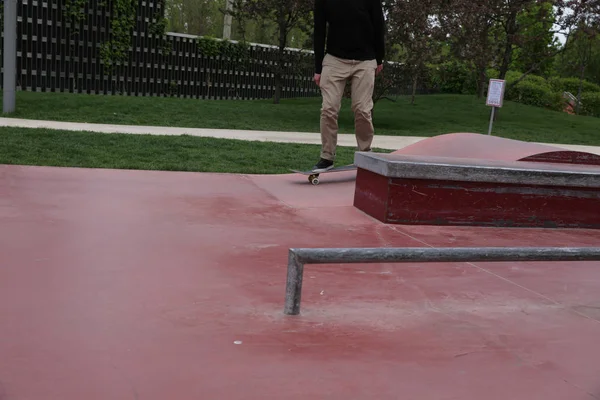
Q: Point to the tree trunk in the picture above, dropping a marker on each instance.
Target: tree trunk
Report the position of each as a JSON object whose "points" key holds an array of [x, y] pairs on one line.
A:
{"points": [[585, 56], [482, 78], [281, 23], [414, 87], [481, 63], [511, 30], [508, 51], [506, 59], [580, 89]]}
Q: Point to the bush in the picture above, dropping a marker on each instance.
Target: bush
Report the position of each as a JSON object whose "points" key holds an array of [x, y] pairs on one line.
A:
{"points": [[492, 73], [533, 93], [533, 90], [572, 85], [591, 104], [512, 76], [452, 77]]}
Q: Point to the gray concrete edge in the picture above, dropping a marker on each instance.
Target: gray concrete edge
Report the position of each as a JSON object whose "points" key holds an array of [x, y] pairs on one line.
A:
{"points": [[439, 168]]}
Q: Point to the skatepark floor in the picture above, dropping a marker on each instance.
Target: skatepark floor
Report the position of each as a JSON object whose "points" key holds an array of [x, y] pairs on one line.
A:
{"points": [[167, 285]]}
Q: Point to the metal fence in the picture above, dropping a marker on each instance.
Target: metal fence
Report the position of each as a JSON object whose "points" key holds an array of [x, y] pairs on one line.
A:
{"points": [[58, 53], [297, 258]]}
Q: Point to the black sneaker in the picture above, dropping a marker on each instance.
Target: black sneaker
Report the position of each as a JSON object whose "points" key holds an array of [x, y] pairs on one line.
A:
{"points": [[323, 165]]}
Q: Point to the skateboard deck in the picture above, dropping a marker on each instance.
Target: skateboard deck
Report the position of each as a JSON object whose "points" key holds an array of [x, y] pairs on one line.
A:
{"points": [[313, 177]]}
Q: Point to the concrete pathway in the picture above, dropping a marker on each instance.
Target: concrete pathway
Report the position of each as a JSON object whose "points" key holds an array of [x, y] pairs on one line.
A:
{"points": [[381, 141]]}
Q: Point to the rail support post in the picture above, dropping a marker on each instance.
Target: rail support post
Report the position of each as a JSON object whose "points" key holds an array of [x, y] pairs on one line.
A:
{"points": [[293, 287]]}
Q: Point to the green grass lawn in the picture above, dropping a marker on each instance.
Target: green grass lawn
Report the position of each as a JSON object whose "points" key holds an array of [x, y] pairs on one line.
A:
{"points": [[432, 115], [171, 153]]}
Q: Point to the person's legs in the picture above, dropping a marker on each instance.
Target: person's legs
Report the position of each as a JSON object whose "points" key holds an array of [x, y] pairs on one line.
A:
{"points": [[363, 83], [333, 80]]}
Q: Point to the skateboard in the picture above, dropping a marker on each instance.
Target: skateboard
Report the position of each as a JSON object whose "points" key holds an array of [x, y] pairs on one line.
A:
{"points": [[313, 177]]}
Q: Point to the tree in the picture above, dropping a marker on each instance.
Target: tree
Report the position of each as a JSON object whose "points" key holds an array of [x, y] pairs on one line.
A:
{"points": [[567, 16], [536, 43], [503, 34], [194, 17], [574, 13], [468, 26], [581, 57], [582, 44], [287, 15], [412, 25], [527, 25]]}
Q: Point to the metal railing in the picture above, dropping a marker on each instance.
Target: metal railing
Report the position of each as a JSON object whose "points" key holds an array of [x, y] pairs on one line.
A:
{"points": [[297, 258]]}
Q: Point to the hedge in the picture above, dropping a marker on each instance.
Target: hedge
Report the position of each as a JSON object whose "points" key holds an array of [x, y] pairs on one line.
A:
{"points": [[591, 104], [572, 85], [451, 77], [535, 94], [533, 90], [454, 77]]}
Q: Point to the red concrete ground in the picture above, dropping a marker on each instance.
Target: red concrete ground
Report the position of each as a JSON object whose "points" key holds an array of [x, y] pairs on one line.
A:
{"points": [[135, 285]]}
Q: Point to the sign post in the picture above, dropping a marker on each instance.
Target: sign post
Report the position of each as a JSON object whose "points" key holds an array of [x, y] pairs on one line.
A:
{"points": [[495, 98]]}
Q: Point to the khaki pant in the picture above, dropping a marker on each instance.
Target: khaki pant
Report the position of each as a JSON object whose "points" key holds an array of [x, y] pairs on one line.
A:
{"points": [[333, 82]]}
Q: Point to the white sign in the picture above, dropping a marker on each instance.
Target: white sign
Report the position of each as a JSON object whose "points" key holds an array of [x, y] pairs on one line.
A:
{"points": [[495, 95]]}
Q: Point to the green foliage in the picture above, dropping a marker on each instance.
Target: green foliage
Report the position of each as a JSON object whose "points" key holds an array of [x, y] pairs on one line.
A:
{"points": [[208, 46], [173, 89], [123, 13], [582, 52], [513, 76], [534, 91], [572, 85], [195, 17], [452, 77], [159, 28], [234, 51], [75, 12], [116, 50], [591, 104], [536, 40]]}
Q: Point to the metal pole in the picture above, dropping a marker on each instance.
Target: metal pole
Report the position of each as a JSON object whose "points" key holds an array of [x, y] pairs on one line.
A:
{"points": [[492, 120], [9, 84], [298, 257], [445, 254], [293, 288]]}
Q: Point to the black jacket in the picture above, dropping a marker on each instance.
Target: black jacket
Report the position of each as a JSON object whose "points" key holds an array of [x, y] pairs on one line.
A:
{"points": [[355, 32]]}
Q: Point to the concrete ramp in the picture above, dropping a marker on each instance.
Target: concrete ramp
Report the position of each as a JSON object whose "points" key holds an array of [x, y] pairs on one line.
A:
{"points": [[484, 147]]}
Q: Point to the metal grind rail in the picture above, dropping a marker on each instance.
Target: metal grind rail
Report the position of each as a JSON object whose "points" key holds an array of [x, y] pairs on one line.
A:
{"points": [[297, 258]]}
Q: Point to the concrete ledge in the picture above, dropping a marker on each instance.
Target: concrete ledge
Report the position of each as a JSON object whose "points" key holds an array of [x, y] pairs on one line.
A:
{"points": [[405, 189], [474, 170]]}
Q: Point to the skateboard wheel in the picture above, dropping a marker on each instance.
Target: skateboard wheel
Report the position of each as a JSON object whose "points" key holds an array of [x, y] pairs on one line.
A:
{"points": [[315, 181]]}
